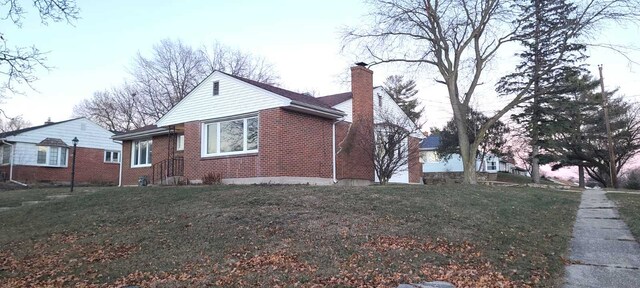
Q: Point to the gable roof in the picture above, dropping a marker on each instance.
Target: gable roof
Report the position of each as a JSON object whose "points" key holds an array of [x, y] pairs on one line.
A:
{"points": [[430, 143], [306, 99], [335, 99], [20, 131], [54, 142]]}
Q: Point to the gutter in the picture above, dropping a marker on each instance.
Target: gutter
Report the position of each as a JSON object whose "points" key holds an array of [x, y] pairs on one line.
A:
{"points": [[319, 110], [11, 165], [141, 134]]}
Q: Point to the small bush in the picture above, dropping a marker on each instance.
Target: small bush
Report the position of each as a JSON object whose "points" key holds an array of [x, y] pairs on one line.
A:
{"points": [[212, 179], [632, 180]]}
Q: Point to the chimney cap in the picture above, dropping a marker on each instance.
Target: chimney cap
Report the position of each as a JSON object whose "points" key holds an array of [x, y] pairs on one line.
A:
{"points": [[361, 64]]}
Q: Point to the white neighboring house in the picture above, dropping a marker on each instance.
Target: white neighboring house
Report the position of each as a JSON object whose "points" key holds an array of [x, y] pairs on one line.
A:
{"points": [[44, 153], [433, 163]]}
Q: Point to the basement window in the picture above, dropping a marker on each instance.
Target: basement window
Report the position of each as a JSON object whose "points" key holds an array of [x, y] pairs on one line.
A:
{"points": [[216, 88]]}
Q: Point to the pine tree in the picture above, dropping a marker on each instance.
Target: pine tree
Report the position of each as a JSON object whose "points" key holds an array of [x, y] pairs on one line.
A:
{"points": [[404, 92], [549, 55]]}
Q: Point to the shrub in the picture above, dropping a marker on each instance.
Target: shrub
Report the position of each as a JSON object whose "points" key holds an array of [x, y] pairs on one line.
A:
{"points": [[632, 180], [212, 178]]}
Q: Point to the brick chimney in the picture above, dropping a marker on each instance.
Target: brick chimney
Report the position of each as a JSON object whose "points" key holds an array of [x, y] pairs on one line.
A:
{"points": [[362, 89], [361, 157]]}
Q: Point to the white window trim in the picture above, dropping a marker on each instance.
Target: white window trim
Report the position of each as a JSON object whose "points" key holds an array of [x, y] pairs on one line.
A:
{"points": [[66, 162], [111, 160], [135, 153], [204, 136], [178, 146]]}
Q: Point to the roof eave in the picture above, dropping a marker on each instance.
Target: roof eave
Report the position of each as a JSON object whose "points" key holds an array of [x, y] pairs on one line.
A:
{"points": [[315, 110], [141, 134]]}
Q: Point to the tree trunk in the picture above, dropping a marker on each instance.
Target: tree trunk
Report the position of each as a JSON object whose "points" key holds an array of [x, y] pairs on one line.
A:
{"points": [[581, 176], [535, 134], [470, 176]]}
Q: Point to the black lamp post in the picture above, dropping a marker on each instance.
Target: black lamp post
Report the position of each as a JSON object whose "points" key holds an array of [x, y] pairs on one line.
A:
{"points": [[73, 165]]}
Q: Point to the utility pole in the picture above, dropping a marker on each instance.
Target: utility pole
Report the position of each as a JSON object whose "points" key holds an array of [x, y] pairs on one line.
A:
{"points": [[612, 153]]}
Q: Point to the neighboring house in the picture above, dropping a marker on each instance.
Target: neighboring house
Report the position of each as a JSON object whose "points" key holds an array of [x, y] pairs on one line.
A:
{"points": [[44, 153], [245, 132], [433, 163]]}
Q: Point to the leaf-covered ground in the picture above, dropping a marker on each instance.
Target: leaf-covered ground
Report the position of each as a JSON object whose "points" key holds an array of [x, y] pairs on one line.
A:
{"points": [[629, 208], [280, 236]]}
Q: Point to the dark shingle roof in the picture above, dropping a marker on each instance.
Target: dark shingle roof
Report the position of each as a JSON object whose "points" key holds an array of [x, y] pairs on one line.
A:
{"points": [[431, 142], [335, 99], [55, 142], [19, 131], [285, 93]]}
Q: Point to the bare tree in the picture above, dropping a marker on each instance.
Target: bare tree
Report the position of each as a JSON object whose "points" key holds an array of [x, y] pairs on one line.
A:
{"points": [[459, 38], [236, 62], [18, 65], [391, 146], [12, 124], [167, 76], [163, 78], [117, 109]]}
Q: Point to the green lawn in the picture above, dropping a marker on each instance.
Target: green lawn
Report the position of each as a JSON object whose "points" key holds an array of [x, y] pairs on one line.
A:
{"points": [[286, 235], [629, 208]]}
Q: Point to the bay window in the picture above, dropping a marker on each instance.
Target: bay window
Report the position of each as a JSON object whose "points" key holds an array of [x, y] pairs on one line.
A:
{"points": [[230, 137], [52, 156], [141, 152]]}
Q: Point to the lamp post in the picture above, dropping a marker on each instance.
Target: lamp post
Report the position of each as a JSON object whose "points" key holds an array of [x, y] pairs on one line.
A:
{"points": [[73, 165]]}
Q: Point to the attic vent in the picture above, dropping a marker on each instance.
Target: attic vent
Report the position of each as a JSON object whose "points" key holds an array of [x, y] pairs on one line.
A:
{"points": [[83, 126], [379, 100], [216, 88]]}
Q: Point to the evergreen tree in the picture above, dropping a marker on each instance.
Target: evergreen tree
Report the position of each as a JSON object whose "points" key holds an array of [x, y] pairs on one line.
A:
{"points": [[592, 151], [568, 139], [549, 55], [404, 92]]}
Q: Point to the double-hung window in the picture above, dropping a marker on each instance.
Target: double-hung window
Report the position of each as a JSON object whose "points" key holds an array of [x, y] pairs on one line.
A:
{"points": [[180, 142], [230, 137], [52, 156], [6, 154], [112, 156], [141, 152]]}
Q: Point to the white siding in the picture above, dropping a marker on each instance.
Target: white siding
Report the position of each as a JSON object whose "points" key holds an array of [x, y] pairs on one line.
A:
{"points": [[235, 97], [89, 134], [25, 154], [346, 107]]}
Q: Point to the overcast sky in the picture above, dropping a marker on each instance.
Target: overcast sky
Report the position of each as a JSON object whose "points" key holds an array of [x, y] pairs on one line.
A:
{"points": [[300, 38]]}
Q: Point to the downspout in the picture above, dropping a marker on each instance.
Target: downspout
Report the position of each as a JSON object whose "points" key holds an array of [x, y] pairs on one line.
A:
{"points": [[11, 165], [335, 179]]}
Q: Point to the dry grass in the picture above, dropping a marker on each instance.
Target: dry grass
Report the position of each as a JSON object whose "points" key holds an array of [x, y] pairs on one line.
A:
{"points": [[473, 236]]}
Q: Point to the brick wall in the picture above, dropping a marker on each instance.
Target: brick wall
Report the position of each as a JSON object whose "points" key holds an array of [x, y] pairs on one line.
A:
{"points": [[159, 150], [90, 168], [291, 144]]}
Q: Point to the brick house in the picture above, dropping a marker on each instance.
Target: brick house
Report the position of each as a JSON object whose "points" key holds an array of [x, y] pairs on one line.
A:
{"points": [[44, 153], [249, 132]]}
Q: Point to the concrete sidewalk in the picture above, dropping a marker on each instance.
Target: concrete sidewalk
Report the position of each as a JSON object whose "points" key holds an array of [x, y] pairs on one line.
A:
{"points": [[603, 251]]}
